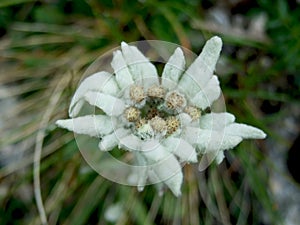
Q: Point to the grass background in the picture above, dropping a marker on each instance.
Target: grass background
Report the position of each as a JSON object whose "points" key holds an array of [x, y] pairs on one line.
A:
{"points": [[45, 47]]}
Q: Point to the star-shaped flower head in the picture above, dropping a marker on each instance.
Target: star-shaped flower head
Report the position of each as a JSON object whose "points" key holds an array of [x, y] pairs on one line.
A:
{"points": [[164, 120]]}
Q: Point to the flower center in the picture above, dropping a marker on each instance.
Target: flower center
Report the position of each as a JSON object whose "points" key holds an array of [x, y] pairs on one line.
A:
{"points": [[175, 101], [193, 112], [158, 115], [132, 114], [156, 91], [137, 93], [158, 124], [173, 124]]}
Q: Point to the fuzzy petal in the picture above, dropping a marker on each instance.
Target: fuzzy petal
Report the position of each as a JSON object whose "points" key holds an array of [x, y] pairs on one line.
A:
{"points": [[173, 69], [211, 140], [201, 70], [208, 94], [218, 132], [102, 82], [154, 179], [169, 172], [130, 143], [123, 75], [202, 139], [138, 177], [216, 121], [244, 131], [165, 165], [191, 134], [92, 125], [110, 141], [141, 68], [185, 119], [225, 121], [154, 151], [219, 157], [209, 157], [142, 172], [181, 148], [165, 169], [220, 141], [111, 105]]}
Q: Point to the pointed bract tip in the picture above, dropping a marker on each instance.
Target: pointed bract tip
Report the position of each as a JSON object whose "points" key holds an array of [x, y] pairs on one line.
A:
{"points": [[140, 188], [216, 40], [257, 133], [66, 124], [263, 135], [117, 52], [193, 159], [59, 123], [175, 187], [178, 51], [177, 193], [123, 44]]}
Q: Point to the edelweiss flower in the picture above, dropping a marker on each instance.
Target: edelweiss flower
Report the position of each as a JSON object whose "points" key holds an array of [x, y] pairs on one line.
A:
{"points": [[164, 120]]}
